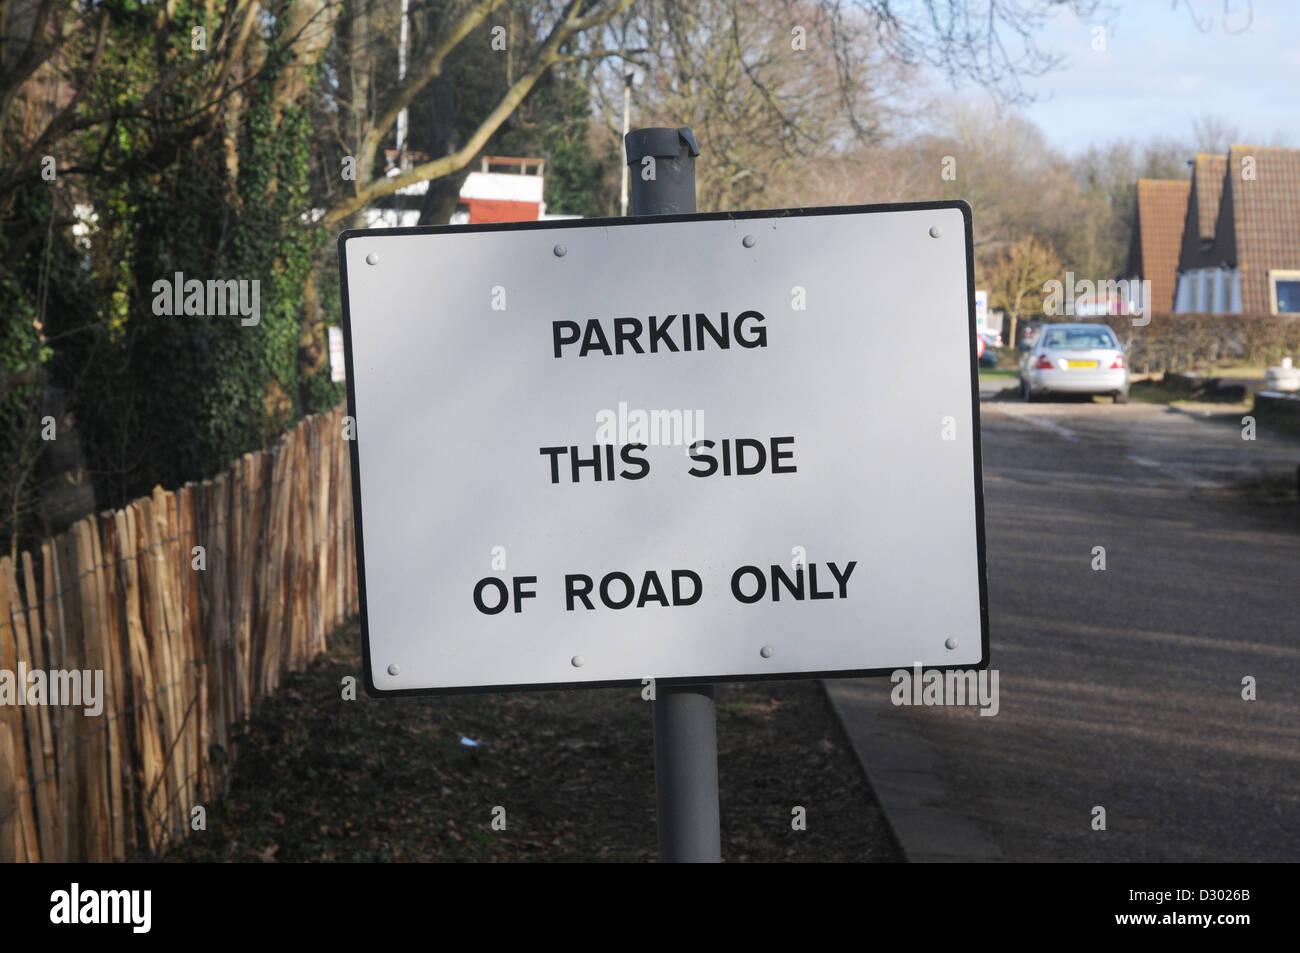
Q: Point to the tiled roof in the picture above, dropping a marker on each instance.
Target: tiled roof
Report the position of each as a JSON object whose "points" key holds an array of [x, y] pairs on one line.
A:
{"points": [[1209, 189], [1202, 212], [1158, 236], [1262, 203]]}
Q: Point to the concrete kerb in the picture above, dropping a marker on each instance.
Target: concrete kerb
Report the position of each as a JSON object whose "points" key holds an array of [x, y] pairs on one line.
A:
{"points": [[905, 773]]}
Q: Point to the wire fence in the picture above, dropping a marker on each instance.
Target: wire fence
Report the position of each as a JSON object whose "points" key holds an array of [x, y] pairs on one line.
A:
{"points": [[193, 604]]}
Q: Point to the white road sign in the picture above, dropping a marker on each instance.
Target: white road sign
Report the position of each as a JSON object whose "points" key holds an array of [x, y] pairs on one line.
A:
{"points": [[692, 448]]}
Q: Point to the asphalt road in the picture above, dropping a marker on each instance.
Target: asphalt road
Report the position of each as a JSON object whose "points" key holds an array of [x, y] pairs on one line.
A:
{"points": [[1122, 688]]}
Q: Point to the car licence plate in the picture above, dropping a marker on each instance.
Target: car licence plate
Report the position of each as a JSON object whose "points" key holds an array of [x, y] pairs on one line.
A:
{"points": [[1080, 363]]}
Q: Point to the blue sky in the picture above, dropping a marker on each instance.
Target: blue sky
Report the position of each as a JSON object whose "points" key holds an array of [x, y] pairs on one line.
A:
{"points": [[1159, 72]]}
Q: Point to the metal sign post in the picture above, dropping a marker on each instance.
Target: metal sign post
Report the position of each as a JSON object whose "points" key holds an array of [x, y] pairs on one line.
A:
{"points": [[662, 166]]}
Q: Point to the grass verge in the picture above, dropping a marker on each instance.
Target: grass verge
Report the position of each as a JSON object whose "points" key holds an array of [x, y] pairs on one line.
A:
{"points": [[318, 778]]}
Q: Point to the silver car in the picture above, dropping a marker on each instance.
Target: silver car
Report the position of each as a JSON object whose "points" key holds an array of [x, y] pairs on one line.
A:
{"points": [[1075, 359]]}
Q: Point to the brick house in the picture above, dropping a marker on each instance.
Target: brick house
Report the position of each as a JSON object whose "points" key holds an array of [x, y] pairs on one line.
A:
{"points": [[1240, 252]]}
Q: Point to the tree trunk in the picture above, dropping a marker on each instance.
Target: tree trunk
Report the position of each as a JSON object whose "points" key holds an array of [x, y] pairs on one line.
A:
{"points": [[312, 352]]}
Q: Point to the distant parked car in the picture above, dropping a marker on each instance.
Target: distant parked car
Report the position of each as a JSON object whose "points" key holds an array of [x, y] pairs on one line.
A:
{"points": [[1075, 359], [992, 341]]}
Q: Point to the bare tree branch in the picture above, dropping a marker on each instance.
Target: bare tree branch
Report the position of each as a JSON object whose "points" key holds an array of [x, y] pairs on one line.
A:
{"points": [[570, 24]]}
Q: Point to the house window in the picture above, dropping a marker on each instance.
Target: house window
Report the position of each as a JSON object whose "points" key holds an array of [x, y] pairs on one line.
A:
{"points": [[1219, 291], [1284, 292], [1183, 294]]}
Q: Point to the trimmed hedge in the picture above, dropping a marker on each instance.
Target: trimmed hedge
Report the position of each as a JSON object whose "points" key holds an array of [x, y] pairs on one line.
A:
{"points": [[1187, 342]]}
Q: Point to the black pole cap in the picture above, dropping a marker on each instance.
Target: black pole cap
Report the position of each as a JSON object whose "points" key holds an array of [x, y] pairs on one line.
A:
{"points": [[660, 142]]}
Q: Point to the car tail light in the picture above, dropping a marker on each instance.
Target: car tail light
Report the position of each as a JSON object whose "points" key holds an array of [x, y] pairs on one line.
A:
{"points": [[1044, 364], [1118, 364]]}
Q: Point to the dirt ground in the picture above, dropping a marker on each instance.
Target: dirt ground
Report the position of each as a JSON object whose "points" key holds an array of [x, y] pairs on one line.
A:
{"points": [[318, 778]]}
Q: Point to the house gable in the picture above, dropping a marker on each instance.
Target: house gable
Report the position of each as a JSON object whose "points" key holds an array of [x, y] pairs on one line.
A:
{"points": [[1158, 236], [1264, 215]]}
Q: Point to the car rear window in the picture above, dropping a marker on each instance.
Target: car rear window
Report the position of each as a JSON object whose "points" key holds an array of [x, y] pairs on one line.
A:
{"points": [[1079, 337]]}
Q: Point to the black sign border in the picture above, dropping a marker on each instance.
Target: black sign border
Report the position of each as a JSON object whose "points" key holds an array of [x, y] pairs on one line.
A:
{"points": [[618, 222]]}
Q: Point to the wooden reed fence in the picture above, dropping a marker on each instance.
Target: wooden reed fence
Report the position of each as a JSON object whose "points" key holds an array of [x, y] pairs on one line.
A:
{"points": [[185, 651]]}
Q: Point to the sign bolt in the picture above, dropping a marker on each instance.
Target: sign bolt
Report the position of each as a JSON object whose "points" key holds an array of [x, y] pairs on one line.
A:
{"points": [[372, 258], [951, 644], [748, 241], [935, 231], [393, 669], [766, 651], [560, 251], [578, 661]]}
